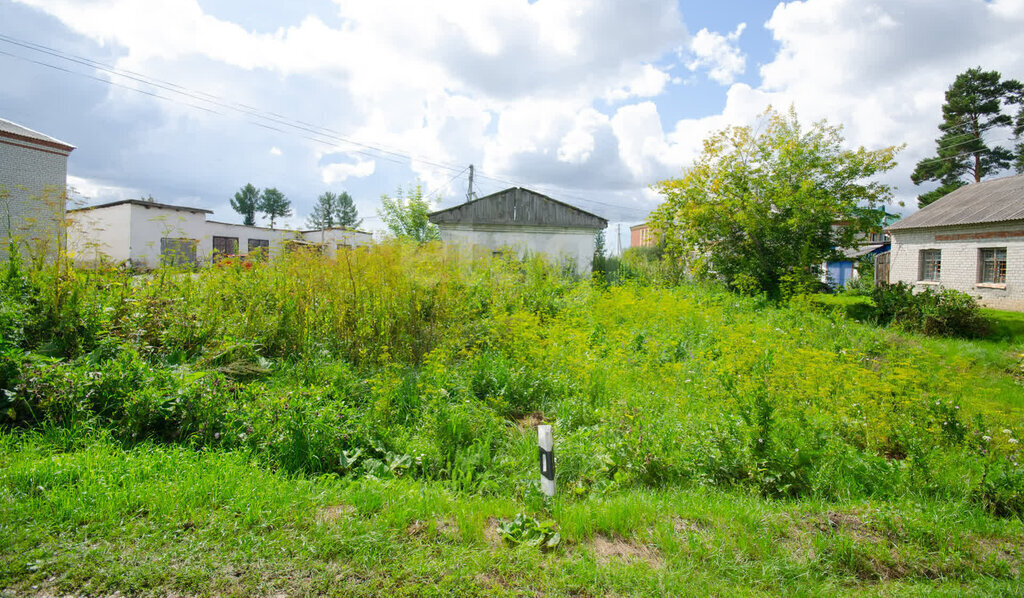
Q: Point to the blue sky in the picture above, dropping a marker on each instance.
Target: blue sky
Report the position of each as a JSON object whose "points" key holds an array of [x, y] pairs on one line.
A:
{"points": [[590, 101]]}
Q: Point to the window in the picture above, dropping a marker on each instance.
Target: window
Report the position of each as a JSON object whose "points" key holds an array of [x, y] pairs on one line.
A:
{"points": [[993, 265], [225, 246], [255, 244], [177, 252], [931, 264]]}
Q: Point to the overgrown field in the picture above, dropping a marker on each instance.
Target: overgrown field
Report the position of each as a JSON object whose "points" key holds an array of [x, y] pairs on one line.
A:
{"points": [[362, 424]]}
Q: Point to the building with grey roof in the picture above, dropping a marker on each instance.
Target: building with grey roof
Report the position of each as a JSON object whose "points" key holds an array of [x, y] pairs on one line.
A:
{"points": [[33, 183], [524, 222], [971, 240]]}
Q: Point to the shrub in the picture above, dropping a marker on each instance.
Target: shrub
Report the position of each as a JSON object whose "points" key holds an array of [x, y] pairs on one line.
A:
{"points": [[944, 313]]}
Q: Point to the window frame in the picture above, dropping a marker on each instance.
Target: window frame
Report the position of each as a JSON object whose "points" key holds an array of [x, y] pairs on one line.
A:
{"points": [[220, 252], [929, 265], [998, 275]]}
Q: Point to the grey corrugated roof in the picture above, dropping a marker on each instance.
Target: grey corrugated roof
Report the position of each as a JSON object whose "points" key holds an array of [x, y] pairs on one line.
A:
{"points": [[16, 130], [145, 204], [998, 200]]}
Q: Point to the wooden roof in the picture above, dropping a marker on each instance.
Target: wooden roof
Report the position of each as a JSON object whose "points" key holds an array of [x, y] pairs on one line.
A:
{"points": [[518, 207]]}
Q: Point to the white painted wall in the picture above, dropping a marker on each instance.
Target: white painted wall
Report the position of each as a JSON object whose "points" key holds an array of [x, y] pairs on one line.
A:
{"points": [[100, 235], [556, 243], [131, 231], [961, 260]]}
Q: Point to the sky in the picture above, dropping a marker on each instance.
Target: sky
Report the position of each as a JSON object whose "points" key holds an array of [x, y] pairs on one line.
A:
{"points": [[588, 101]]}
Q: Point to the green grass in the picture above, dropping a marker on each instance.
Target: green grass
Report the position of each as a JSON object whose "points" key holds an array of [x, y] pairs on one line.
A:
{"points": [[1007, 326], [153, 520], [359, 425]]}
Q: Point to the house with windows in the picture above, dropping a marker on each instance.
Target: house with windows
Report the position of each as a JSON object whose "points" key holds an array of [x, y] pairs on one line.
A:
{"points": [[520, 221], [33, 181], [146, 234], [971, 240], [641, 235]]}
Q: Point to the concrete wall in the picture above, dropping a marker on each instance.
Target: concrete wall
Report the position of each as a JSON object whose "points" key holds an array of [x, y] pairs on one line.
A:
{"points": [[33, 180], [96, 236], [557, 244], [961, 260], [132, 232]]}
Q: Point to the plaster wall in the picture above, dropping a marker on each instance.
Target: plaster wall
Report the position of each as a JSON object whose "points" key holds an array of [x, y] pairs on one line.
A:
{"points": [[560, 245]]}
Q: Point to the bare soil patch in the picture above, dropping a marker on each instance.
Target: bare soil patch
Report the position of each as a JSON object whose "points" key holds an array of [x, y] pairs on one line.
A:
{"points": [[530, 421], [605, 549], [333, 513]]}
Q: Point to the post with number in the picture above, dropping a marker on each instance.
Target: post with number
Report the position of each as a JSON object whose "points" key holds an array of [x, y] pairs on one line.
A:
{"points": [[546, 441]]}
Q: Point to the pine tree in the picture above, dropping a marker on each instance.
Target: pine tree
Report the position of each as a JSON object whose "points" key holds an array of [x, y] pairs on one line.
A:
{"points": [[273, 205], [974, 105], [246, 201], [324, 212]]}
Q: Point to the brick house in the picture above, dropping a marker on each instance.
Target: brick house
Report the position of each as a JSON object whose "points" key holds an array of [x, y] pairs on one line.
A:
{"points": [[971, 240], [33, 182]]}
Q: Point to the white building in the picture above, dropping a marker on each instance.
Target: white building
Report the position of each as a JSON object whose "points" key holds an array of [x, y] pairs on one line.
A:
{"points": [[33, 181], [971, 240], [525, 222], [147, 234]]}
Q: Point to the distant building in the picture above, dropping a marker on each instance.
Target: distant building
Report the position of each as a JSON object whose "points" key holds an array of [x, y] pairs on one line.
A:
{"points": [[640, 235], [146, 234], [525, 222], [971, 240], [868, 246], [33, 184]]}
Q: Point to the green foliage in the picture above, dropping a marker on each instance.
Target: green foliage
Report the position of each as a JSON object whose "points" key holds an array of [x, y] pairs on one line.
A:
{"points": [[399, 361], [273, 205], [246, 202], [406, 215], [528, 531], [757, 208], [944, 313], [334, 210], [976, 102]]}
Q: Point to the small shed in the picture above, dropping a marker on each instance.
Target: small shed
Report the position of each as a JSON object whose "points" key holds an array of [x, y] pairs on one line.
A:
{"points": [[526, 222], [971, 240]]}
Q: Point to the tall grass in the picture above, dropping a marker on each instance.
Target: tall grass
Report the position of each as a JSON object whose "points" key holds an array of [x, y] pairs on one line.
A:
{"points": [[409, 361]]}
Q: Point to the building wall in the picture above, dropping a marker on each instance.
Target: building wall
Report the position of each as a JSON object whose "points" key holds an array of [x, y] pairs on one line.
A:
{"points": [[558, 244], [96, 236], [33, 179], [132, 232], [961, 261]]}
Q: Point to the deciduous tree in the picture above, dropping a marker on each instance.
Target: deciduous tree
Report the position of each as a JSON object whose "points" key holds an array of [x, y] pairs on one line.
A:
{"points": [[758, 207], [246, 202], [406, 215], [273, 204], [977, 105]]}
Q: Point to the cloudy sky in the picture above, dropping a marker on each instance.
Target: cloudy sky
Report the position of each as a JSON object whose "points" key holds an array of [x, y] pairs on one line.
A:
{"points": [[590, 101]]}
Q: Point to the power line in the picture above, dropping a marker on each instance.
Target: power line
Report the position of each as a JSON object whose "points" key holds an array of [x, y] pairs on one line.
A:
{"points": [[277, 119]]}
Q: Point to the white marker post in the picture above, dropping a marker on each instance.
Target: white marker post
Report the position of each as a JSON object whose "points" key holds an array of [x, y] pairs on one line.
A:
{"points": [[546, 442]]}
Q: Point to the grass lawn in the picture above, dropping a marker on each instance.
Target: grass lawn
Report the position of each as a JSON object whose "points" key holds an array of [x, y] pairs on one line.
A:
{"points": [[98, 519]]}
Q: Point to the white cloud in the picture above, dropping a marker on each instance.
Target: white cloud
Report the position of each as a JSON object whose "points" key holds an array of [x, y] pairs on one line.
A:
{"points": [[341, 171], [275, 151], [719, 54], [85, 191]]}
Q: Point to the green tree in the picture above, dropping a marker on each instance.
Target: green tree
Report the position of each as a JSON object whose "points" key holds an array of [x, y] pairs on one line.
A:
{"points": [[348, 215], [975, 104], [246, 201], [758, 206], [334, 210], [273, 204], [406, 215]]}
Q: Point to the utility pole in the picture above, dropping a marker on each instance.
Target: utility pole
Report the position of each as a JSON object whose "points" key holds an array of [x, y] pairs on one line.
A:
{"points": [[618, 239], [470, 194]]}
